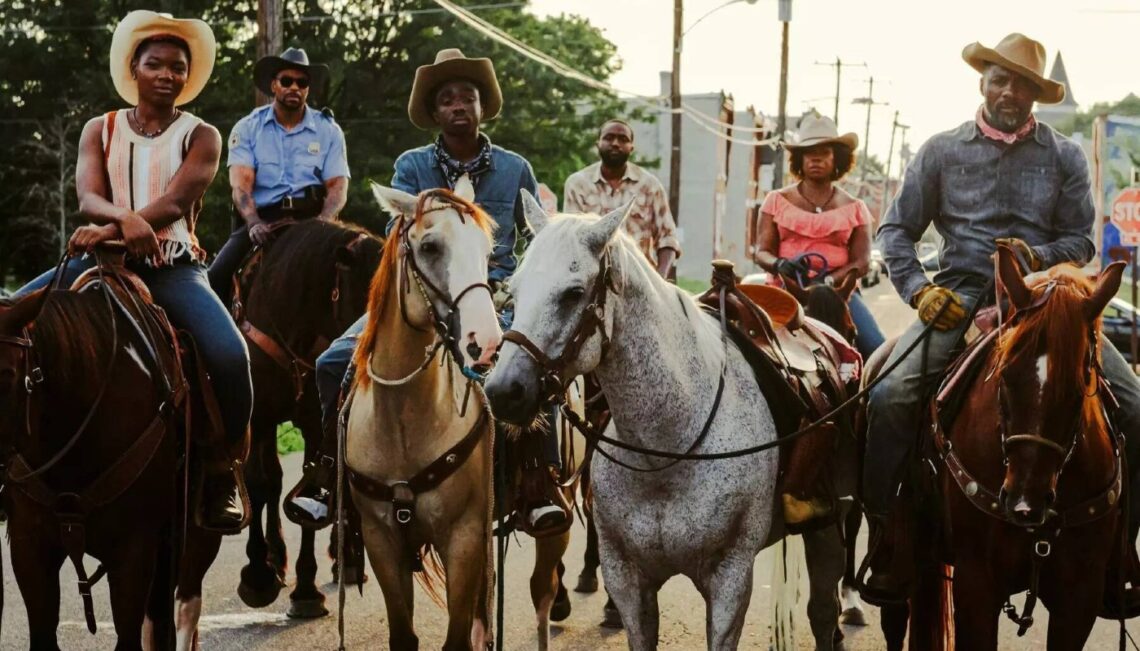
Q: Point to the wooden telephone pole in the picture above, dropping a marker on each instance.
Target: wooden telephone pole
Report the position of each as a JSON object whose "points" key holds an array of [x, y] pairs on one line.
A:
{"points": [[270, 20], [838, 65], [675, 103]]}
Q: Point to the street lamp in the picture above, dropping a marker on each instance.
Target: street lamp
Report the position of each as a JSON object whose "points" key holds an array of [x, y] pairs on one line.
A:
{"points": [[713, 11]]}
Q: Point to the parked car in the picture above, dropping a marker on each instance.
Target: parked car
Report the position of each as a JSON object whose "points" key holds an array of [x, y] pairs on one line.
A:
{"points": [[758, 278], [877, 256], [873, 272], [1117, 325]]}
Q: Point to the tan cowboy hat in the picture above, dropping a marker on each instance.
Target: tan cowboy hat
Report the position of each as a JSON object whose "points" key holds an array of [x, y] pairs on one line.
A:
{"points": [[450, 64], [819, 130], [1021, 54], [140, 25]]}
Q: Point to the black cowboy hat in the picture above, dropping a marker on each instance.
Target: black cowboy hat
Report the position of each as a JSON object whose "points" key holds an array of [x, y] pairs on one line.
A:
{"points": [[293, 58]]}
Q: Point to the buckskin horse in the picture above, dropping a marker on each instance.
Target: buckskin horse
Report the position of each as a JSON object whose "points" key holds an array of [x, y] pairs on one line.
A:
{"points": [[419, 436], [586, 301], [94, 399], [1031, 471], [292, 298]]}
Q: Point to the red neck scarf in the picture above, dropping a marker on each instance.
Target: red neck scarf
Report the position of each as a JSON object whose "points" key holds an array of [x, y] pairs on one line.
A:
{"points": [[1023, 132]]}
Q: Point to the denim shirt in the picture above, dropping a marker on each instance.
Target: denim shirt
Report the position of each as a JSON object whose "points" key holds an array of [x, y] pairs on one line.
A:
{"points": [[975, 191], [496, 191]]}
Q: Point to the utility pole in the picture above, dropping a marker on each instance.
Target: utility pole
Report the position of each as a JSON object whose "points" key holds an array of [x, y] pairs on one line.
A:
{"points": [[887, 175], [838, 65], [675, 97], [869, 100], [270, 19], [785, 16]]}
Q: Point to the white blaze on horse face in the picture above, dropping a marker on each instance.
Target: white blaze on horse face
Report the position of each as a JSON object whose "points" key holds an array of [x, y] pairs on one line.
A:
{"points": [[469, 249], [1042, 372]]}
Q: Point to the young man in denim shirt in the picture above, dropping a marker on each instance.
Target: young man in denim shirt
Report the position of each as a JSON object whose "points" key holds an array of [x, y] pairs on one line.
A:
{"points": [[455, 95], [1000, 177]]}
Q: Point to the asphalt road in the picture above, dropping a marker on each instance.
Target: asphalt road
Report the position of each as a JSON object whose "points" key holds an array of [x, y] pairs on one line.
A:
{"points": [[228, 624]]}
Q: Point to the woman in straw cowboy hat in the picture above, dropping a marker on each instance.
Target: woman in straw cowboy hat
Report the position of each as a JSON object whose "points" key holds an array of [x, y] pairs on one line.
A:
{"points": [[140, 178], [815, 216]]}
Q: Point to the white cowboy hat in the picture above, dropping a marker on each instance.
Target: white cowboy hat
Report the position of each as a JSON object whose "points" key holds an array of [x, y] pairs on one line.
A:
{"points": [[819, 130], [450, 64], [1020, 54], [140, 25]]}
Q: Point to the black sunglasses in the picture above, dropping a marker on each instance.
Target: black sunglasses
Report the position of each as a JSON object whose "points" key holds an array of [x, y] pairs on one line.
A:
{"points": [[286, 81]]}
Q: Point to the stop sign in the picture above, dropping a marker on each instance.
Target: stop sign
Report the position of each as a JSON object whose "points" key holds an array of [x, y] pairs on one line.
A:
{"points": [[1126, 216]]}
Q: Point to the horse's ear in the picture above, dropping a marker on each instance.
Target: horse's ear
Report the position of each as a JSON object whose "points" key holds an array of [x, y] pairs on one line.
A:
{"points": [[464, 189], [15, 316], [1009, 275], [795, 289], [394, 202], [1107, 285], [847, 285], [532, 210], [600, 233]]}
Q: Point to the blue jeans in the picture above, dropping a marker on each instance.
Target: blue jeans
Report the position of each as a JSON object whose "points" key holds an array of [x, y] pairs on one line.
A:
{"points": [[184, 293], [868, 337], [332, 374]]}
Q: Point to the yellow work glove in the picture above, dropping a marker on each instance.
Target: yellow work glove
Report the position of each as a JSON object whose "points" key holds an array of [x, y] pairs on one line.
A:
{"points": [[929, 301], [1023, 249]]}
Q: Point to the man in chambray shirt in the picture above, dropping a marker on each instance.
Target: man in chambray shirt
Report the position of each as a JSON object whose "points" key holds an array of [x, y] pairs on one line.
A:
{"points": [[1000, 177]]}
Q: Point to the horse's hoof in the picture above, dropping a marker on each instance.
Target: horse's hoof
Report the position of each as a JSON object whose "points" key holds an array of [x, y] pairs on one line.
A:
{"points": [[611, 618], [561, 608], [853, 617], [307, 608], [587, 583], [258, 596], [353, 575]]}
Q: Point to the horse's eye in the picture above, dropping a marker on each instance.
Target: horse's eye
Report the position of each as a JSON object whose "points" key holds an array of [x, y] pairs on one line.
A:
{"points": [[573, 295], [429, 248]]}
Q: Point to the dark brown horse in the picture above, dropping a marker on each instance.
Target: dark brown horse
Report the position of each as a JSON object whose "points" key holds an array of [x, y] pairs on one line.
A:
{"points": [[93, 398], [311, 284], [1031, 478]]}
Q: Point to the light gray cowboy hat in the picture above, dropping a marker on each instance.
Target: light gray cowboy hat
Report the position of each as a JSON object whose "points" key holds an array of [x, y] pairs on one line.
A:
{"points": [[267, 68], [819, 130], [1021, 54], [450, 64], [140, 25]]}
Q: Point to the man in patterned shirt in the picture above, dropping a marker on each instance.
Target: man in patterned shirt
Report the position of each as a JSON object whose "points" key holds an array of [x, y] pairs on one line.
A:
{"points": [[613, 182]]}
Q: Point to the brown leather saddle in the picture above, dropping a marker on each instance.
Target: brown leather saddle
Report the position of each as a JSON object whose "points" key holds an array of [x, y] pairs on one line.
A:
{"points": [[795, 363]]}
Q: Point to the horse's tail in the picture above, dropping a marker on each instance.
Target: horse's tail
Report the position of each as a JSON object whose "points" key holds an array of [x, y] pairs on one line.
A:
{"points": [[787, 565], [433, 578], [932, 608]]}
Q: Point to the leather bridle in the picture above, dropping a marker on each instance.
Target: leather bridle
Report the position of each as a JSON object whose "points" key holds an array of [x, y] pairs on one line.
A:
{"points": [[554, 381]]}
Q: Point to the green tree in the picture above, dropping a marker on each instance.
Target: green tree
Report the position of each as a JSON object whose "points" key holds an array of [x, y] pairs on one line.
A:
{"points": [[53, 58], [1081, 121]]}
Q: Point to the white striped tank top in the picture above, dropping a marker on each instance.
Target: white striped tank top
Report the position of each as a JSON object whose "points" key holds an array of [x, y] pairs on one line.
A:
{"points": [[139, 170]]}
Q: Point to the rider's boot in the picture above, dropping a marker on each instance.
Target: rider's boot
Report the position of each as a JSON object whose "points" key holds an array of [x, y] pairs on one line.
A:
{"points": [[891, 576], [311, 503], [223, 504], [546, 511]]}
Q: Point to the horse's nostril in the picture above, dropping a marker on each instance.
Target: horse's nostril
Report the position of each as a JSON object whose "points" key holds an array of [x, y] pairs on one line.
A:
{"points": [[474, 350], [515, 391]]}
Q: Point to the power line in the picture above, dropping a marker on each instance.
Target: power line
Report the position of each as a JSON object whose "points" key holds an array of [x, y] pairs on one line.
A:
{"points": [[253, 21]]}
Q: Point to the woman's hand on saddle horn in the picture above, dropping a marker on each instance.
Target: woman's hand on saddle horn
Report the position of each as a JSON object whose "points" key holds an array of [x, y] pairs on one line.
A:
{"points": [[139, 236], [795, 269], [85, 238], [930, 301]]}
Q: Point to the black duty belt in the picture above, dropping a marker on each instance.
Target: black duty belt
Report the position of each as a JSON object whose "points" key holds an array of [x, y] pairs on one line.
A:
{"points": [[305, 206]]}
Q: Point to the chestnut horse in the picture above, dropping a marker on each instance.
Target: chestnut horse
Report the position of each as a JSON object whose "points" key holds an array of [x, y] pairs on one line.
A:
{"points": [[91, 434], [1031, 471], [311, 284]]}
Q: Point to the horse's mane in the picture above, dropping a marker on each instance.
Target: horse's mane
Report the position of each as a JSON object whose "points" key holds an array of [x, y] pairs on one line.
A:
{"points": [[72, 337], [306, 251], [826, 305], [1060, 327], [387, 272]]}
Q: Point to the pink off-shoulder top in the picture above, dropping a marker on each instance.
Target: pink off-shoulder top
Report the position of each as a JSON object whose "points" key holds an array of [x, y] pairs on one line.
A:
{"points": [[826, 233]]}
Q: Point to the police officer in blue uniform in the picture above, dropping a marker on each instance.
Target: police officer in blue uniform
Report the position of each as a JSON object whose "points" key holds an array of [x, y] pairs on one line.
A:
{"points": [[286, 160]]}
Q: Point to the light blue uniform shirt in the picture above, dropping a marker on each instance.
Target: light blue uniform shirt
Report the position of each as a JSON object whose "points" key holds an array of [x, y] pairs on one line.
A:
{"points": [[286, 162]]}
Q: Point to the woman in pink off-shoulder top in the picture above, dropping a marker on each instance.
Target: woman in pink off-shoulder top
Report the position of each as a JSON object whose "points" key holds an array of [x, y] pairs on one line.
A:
{"points": [[814, 215]]}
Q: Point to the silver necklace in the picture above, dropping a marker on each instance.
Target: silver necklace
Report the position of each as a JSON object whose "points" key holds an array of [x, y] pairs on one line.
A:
{"points": [[151, 134], [818, 207]]}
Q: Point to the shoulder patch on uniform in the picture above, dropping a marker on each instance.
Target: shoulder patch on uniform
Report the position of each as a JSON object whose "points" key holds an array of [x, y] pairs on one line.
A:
{"points": [[234, 139]]}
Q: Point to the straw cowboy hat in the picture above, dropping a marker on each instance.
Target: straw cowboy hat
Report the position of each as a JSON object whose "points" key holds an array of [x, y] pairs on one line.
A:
{"points": [[450, 64], [140, 25], [1021, 54], [818, 130], [294, 58]]}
